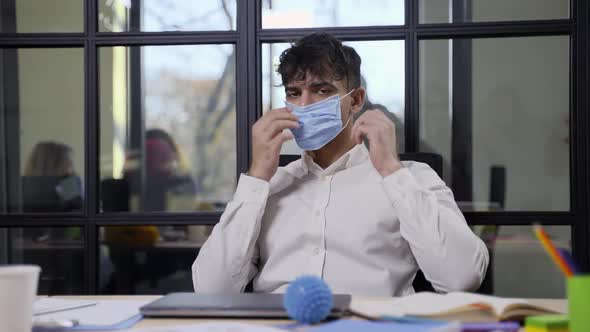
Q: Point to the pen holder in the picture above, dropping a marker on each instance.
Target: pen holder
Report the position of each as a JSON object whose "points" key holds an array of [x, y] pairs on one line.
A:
{"points": [[578, 294]]}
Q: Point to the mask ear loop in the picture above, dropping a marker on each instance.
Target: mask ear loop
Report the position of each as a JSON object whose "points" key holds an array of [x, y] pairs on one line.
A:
{"points": [[349, 113]]}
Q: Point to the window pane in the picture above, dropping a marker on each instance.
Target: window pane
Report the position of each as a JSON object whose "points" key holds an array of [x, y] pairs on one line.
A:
{"points": [[168, 127], [334, 13], [28, 16], [382, 74], [149, 259], [500, 119], [171, 15], [44, 164], [519, 266], [437, 11], [59, 251]]}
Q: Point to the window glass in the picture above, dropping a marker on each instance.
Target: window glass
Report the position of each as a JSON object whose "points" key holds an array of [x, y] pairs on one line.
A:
{"points": [[59, 251], [44, 164], [449, 11], [149, 259], [497, 110]]}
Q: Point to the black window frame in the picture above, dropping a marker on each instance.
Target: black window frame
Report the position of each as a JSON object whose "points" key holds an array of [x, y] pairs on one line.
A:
{"points": [[248, 39]]}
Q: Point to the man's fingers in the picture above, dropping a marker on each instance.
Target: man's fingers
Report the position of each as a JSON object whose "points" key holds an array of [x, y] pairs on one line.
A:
{"points": [[280, 114], [275, 127], [355, 126], [282, 138], [367, 130], [360, 132]]}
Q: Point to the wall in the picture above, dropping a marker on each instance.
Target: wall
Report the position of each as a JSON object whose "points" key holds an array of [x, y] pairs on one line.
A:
{"points": [[50, 16], [51, 97]]}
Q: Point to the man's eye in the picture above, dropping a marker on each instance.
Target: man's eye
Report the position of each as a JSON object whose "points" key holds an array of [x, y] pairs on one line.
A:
{"points": [[322, 91], [291, 94]]}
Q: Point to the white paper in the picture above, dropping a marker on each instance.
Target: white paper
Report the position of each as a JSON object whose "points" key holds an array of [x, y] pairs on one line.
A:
{"points": [[105, 312], [47, 305], [214, 327]]}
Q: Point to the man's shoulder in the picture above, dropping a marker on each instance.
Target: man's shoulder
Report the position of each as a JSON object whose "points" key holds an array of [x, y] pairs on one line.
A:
{"points": [[286, 176], [422, 172], [416, 166]]}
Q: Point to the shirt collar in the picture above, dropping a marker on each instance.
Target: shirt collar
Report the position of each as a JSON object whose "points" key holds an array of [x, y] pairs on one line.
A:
{"points": [[354, 157]]}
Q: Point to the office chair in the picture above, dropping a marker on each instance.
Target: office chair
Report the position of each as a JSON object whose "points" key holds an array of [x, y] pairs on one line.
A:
{"points": [[435, 161], [498, 185], [114, 194], [51, 194]]}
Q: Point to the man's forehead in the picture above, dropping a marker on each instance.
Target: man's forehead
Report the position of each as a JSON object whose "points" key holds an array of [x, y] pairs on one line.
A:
{"points": [[311, 80]]}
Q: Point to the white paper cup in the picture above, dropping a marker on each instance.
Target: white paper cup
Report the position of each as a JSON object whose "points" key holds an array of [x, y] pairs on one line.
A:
{"points": [[18, 288]]}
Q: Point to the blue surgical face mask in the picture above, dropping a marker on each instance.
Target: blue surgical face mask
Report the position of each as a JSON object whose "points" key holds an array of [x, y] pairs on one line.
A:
{"points": [[319, 123]]}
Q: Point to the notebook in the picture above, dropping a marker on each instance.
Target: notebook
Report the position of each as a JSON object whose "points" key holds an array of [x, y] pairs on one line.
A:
{"points": [[103, 315], [228, 305], [466, 307]]}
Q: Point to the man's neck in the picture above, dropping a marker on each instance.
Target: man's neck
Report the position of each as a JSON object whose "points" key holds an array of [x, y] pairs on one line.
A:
{"points": [[332, 151]]}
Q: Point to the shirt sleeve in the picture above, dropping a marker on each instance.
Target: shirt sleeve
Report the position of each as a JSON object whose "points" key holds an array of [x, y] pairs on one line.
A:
{"points": [[451, 256], [227, 260]]}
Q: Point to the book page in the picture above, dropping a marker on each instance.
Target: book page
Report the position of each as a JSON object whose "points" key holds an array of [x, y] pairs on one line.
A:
{"points": [[426, 304], [499, 305], [432, 304]]}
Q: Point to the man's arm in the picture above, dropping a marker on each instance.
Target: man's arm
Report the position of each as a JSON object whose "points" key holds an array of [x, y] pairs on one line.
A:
{"points": [[227, 260], [450, 255]]}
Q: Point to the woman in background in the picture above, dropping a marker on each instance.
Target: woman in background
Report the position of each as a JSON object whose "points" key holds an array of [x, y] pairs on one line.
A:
{"points": [[50, 182]]}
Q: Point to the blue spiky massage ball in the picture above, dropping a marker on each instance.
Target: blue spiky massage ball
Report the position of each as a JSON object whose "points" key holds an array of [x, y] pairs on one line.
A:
{"points": [[308, 300]]}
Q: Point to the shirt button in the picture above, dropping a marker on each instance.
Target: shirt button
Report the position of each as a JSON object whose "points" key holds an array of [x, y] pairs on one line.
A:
{"points": [[316, 251], [317, 213], [322, 178]]}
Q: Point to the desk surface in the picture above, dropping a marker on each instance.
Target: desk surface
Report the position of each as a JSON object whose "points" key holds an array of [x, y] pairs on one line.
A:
{"points": [[559, 305]]}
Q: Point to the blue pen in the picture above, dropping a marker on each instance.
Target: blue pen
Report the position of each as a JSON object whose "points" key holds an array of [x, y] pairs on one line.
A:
{"points": [[490, 327], [569, 260], [465, 327]]}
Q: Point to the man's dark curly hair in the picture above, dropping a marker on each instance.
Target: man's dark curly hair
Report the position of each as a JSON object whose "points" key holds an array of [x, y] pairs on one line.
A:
{"points": [[323, 56]]}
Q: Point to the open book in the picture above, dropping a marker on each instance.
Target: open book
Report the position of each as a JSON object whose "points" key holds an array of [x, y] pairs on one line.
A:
{"points": [[466, 307]]}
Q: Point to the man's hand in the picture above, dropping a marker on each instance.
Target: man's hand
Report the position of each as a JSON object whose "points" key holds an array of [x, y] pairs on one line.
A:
{"points": [[380, 131], [268, 136]]}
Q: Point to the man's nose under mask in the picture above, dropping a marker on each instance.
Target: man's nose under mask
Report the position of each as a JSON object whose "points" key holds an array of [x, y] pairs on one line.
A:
{"points": [[319, 123]]}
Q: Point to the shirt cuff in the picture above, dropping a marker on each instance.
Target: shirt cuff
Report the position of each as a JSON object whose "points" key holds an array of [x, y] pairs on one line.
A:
{"points": [[399, 184], [251, 189]]}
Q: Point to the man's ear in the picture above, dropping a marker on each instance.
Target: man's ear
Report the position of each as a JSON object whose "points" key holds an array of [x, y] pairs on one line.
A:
{"points": [[358, 99]]}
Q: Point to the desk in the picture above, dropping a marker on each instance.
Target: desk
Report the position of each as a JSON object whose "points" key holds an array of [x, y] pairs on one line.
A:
{"points": [[559, 305]]}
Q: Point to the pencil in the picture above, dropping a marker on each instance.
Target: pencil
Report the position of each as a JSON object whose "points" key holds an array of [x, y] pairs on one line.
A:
{"points": [[552, 251]]}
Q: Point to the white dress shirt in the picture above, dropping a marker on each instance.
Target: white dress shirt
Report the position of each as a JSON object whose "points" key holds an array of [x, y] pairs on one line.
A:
{"points": [[362, 233]]}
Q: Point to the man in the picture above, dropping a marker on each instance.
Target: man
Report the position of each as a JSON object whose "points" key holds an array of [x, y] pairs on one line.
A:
{"points": [[356, 217]]}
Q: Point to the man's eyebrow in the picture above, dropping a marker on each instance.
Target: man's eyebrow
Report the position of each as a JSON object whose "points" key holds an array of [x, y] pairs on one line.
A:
{"points": [[323, 84]]}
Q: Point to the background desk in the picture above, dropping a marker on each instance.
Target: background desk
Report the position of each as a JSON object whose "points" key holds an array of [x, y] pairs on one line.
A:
{"points": [[560, 305]]}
